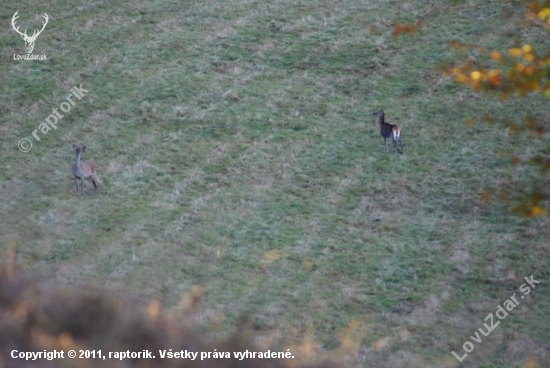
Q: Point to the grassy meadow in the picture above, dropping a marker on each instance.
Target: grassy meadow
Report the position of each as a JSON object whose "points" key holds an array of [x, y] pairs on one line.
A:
{"points": [[238, 159]]}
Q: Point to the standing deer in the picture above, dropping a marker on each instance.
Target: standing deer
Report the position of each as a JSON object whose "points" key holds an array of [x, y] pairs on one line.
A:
{"points": [[29, 40], [84, 170], [389, 131]]}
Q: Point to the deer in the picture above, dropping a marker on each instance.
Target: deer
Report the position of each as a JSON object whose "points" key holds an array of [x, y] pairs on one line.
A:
{"points": [[389, 131], [84, 170], [29, 40]]}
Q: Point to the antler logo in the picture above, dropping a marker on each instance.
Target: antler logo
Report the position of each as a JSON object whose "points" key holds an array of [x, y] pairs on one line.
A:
{"points": [[29, 40]]}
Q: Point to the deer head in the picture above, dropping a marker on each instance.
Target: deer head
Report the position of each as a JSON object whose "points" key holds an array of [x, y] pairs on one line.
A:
{"points": [[29, 40], [379, 113]]}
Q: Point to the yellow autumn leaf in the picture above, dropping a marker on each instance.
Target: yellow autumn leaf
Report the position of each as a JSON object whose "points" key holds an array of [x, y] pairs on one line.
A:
{"points": [[526, 48], [191, 299], [544, 13], [515, 51], [461, 78], [520, 67], [538, 211]]}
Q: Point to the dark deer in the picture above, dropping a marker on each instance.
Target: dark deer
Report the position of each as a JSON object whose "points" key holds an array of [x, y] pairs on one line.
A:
{"points": [[84, 170], [389, 131]]}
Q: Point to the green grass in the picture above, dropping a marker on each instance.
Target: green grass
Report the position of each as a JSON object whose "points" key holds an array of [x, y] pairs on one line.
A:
{"points": [[226, 130]]}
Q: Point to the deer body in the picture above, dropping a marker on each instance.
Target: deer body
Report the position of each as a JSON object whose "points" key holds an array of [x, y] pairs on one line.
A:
{"points": [[389, 131], [83, 170]]}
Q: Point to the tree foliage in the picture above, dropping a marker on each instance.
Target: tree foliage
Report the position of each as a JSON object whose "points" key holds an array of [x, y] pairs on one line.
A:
{"points": [[520, 70]]}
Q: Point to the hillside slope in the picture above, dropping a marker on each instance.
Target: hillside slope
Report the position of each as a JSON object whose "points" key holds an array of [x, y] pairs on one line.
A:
{"points": [[237, 152]]}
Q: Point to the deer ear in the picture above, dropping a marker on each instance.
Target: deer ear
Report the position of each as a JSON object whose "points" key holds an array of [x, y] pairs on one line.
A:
{"points": [[83, 148], [74, 147]]}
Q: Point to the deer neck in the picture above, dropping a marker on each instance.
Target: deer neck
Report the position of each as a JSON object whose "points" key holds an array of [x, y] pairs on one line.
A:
{"points": [[77, 160]]}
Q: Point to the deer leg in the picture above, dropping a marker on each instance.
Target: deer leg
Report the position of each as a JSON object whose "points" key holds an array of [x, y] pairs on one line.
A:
{"points": [[76, 182], [394, 145], [385, 145], [401, 144], [94, 184]]}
